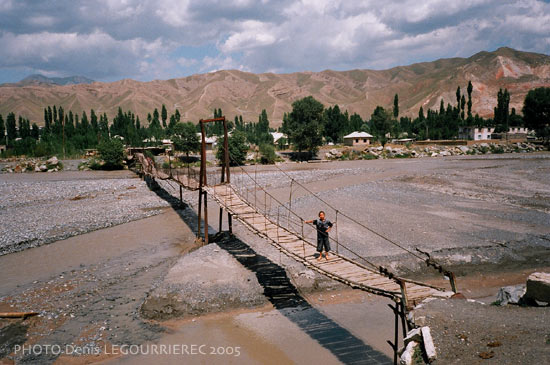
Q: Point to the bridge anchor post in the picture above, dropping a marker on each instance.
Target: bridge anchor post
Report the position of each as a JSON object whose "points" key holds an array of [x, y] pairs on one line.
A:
{"points": [[395, 344]]}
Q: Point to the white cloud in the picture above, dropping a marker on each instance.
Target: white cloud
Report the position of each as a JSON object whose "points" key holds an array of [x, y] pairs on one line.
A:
{"points": [[174, 12], [212, 64], [149, 38], [418, 11], [538, 24], [251, 35], [97, 51]]}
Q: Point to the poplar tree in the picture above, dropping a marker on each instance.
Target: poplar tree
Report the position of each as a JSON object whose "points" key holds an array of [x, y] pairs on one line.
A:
{"points": [[164, 115], [395, 106], [470, 88], [11, 129], [2, 130]]}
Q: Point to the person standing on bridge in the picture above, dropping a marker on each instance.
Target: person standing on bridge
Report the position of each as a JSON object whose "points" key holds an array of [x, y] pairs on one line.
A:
{"points": [[323, 228]]}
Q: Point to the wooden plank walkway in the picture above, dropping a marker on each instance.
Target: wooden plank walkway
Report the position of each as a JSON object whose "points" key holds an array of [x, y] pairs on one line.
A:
{"points": [[148, 168], [337, 267]]}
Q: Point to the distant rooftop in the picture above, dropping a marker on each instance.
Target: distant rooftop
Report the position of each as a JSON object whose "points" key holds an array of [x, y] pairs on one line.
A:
{"points": [[358, 135]]}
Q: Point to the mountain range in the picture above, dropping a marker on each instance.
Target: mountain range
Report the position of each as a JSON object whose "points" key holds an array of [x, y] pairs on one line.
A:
{"points": [[243, 93], [44, 80]]}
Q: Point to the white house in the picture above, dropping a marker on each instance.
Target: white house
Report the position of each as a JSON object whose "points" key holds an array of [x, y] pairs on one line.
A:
{"points": [[357, 139], [477, 134], [211, 142], [277, 136]]}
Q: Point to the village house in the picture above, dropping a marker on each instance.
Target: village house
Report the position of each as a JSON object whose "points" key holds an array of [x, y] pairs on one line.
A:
{"points": [[357, 139], [277, 136], [486, 133]]}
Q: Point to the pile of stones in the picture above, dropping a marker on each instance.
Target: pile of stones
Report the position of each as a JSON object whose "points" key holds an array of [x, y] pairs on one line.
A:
{"points": [[441, 151], [35, 165]]}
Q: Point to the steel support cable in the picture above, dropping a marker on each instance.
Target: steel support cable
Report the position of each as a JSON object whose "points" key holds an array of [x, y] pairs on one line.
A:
{"points": [[350, 218], [301, 219]]}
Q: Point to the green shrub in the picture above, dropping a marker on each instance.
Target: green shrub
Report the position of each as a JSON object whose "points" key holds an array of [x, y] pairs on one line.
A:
{"points": [[95, 164], [112, 152], [237, 149], [267, 154], [174, 163], [497, 149], [402, 155]]}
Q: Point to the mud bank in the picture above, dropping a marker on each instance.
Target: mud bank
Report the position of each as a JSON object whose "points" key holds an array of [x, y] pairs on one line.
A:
{"points": [[207, 280]]}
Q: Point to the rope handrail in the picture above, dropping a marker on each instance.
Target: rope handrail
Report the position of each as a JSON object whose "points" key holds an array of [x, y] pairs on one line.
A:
{"points": [[348, 217], [150, 166], [377, 267]]}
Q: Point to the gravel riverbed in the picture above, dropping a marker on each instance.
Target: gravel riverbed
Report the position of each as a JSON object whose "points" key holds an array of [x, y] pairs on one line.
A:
{"points": [[37, 209]]}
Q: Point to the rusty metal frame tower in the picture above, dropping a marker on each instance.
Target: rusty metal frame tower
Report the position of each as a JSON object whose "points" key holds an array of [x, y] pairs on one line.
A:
{"points": [[225, 178]]}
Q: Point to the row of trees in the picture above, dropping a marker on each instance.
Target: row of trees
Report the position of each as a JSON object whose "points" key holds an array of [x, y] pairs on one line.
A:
{"points": [[308, 125], [309, 122], [69, 133]]}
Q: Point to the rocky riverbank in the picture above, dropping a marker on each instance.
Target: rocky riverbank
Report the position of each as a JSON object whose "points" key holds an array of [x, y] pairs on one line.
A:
{"points": [[32, 165], [415, 151]]}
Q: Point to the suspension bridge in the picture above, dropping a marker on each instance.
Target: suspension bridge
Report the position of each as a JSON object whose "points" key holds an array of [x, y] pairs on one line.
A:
{"points": [[247, 201], [250, 203]]}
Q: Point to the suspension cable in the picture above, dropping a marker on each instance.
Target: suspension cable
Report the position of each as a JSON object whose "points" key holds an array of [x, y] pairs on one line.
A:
{"points": [[350, 218], [298, 216]]}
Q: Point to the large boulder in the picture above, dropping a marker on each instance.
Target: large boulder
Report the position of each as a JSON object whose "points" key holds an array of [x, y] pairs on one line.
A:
{"points": [[429, 347], [52, 161], [510, 294], [407, 357], [538, 287]]}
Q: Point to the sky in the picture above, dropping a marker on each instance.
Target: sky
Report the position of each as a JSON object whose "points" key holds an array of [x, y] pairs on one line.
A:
{"points": [[109, 40]]}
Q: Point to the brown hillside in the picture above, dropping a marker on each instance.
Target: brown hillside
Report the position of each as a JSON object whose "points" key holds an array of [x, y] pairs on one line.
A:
{"points": [[236, 92]]}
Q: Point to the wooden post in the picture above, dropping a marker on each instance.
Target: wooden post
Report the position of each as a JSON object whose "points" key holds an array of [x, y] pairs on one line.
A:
{"points": [[403, 287], [169, 164], [199, 215], [403, 315], [336, 233], [452, 279], [303, 240], [202, 177], [205, 216], [395, 345], [225, 199], [227, 169]]}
